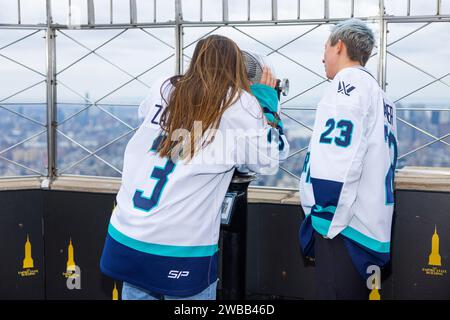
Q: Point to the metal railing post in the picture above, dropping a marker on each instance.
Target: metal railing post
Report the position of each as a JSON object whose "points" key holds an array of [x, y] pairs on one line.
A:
{"points": [[178, 38], [51, 95], [133, 12], [19, 15], [326, 9], [225, 16], [90, 12], [438, 7], [274, 10], [382, 47]]}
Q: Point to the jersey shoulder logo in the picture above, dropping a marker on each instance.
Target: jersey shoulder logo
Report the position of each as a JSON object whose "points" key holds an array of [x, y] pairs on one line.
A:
{"points": [[345, 88]]}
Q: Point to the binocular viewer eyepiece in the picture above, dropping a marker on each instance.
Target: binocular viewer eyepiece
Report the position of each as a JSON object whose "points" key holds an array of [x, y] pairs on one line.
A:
{"points": [[254, 64]]}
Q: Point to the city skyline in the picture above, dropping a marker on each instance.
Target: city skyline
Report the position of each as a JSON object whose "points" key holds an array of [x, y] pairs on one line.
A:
{"points": [[93, 128]]}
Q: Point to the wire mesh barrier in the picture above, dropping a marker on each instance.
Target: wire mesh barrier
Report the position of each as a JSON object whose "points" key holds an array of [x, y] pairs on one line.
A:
{"points": [[73, 72]]}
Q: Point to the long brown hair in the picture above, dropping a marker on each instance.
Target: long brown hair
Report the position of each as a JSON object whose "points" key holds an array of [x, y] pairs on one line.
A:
{"points": [[214, 81]]}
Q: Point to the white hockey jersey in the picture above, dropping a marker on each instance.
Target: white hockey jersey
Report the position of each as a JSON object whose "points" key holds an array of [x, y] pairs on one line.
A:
{"points": [[347, 181], [163, 234]]}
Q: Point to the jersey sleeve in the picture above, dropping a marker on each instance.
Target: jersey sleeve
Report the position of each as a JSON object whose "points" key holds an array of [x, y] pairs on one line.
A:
{"points": [[257, 146], [337, 148]]}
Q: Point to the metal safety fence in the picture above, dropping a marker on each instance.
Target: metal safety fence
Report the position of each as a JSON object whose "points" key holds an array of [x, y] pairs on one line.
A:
{"points": [[173, 28]]}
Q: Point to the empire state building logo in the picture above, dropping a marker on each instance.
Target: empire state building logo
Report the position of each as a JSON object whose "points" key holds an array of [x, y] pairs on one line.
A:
{"points": [[28, 262], [115, 292], [434, 258], [70, 260], [71, 266]]}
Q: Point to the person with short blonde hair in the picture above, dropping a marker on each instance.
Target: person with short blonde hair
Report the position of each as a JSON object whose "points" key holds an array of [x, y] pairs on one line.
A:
{"points": [[346, 185]]}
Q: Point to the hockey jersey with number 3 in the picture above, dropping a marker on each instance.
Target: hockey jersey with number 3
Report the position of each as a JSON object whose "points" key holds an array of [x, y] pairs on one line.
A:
{"points": [[163, 234], [346, 184]]}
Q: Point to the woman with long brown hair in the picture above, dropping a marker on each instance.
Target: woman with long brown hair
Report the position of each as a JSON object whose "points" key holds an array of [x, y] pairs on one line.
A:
{"points": [[199, 127]]}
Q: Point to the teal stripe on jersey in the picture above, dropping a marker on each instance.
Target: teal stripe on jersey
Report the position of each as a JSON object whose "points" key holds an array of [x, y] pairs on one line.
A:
{"points": [[375, 245], [322, 226], [160, 249], [331, 209]]}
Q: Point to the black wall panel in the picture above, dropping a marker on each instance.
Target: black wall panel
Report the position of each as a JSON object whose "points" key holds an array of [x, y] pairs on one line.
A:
{"points": [[21, 216], [419, 214], [275, 268], [81, 218]]}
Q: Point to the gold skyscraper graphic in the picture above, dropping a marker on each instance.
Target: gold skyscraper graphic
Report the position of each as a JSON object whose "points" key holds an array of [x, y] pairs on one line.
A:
{"points": [[374, 294], [70, 259], [28, 260], [434, 258], [115, 293]]}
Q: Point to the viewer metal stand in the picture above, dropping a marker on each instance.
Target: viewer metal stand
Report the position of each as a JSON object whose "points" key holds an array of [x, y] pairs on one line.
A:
{"points": [[234, 239]]}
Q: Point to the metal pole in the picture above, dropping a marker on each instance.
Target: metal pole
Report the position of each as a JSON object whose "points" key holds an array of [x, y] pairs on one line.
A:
{"points": [[51, 95], [111, 11], [90, 12], [19, 18], [133, 12], [201, 10], [225, 10], [382, 48], [70, 12], [178, 38], [274, 10]]}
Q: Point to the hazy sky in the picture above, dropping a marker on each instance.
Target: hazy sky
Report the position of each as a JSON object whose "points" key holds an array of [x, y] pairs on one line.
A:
{"points": [[135, 51]]}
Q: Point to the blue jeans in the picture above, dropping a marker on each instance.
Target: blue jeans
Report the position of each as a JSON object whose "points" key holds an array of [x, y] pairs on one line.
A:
{"points": [[131, 292]]}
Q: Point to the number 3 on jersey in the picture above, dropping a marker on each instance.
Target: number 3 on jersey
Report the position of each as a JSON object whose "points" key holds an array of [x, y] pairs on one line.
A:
{"points": [[161, 175]]}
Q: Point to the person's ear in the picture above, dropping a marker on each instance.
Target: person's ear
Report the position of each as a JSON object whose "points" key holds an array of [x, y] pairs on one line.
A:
{"points": [[339, 46]]}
